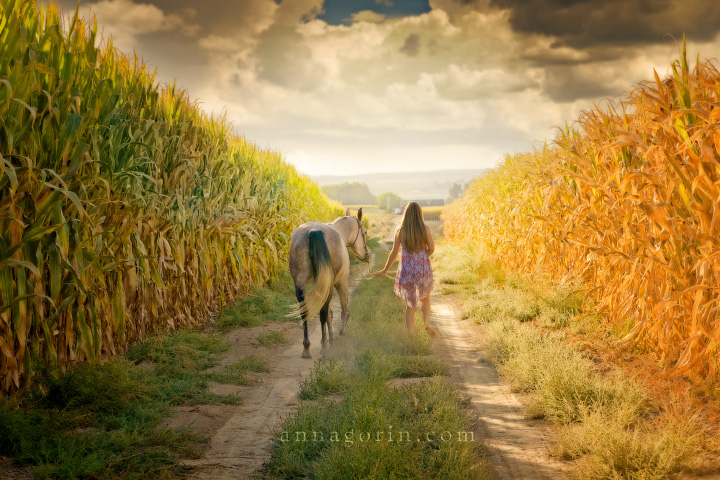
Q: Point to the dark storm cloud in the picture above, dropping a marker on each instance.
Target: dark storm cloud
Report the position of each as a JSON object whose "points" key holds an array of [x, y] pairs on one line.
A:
{"points": [[565, 84], [411, 47], [601, 35], [283, 59], [214, 16], [584, 23]]}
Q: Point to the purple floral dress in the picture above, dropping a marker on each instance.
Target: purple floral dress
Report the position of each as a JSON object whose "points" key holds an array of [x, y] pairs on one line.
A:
{"points": [[414, 279]]}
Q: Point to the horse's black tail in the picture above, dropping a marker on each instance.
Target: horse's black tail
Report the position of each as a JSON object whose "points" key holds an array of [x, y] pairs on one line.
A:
{"points": [[323, 272]]}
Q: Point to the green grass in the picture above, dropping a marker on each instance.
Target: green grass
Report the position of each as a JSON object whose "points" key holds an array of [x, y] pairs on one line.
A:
{"points": [[103, 420], [272, 338], [236, 373], [329, 377], [265, 303], [609, 429], [180, 362], [95, 421], [373, 242], [347, 397]]}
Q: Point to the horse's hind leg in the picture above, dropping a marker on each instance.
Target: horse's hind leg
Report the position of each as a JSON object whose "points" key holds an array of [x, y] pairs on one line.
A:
{"points": [[300, 295], [342, 290], [325, 319]]}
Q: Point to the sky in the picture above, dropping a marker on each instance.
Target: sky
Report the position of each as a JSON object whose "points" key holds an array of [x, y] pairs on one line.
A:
{"points": [[344, 87]]}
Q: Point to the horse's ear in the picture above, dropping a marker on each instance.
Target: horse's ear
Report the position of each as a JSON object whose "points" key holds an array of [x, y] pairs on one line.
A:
{"points": [[347, 212], [360, 214]]}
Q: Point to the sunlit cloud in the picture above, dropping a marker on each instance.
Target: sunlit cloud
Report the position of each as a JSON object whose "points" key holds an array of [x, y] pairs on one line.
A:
{"points": [[384, 89], [127, 20]]}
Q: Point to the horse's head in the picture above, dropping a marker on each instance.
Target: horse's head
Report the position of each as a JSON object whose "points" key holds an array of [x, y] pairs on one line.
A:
{"points": [[359, 244]]}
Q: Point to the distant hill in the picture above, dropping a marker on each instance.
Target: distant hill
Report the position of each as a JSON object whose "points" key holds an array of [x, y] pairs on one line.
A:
{"points": [[408, 185]]}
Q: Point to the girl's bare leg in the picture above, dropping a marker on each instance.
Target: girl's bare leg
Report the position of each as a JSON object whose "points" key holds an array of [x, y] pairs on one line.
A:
{"points": [[410, 319], [425, 306]]}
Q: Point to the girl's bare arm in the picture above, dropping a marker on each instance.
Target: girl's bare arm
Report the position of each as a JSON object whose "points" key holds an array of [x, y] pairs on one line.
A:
{"points": [[430, 242], [391, 258]]}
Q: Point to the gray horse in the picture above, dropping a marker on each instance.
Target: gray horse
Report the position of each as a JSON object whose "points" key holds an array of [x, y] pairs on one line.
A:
{"points": [[320, 251]]}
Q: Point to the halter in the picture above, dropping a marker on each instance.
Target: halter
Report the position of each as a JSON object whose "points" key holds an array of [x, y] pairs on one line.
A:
{"points": [[359, 230]]}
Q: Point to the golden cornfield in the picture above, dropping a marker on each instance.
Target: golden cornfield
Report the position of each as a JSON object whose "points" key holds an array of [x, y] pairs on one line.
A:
{"points": [[627, 199], [124, 209], [432, 213]]}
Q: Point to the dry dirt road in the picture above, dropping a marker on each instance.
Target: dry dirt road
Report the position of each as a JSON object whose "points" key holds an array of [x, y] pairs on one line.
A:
{"points": [[241, 436], [518, 447]]}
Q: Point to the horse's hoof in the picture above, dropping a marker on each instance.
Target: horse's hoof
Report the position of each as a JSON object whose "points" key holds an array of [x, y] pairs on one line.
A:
{"points": [[341, 333], [306, 354]]}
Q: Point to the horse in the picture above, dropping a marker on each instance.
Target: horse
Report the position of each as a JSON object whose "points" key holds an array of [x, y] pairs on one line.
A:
{"points": [[319, 251]]}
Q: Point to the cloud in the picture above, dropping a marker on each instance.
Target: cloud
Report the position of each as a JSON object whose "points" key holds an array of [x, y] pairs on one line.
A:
{"points": [[219, 44], [127, 20], [367, 16], [411, 45], [428, 79], [582, 23], [463, 83]]}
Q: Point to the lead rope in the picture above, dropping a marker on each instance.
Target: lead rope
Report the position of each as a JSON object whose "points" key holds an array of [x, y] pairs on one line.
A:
{"points": [[389, 274], [357, 262]]}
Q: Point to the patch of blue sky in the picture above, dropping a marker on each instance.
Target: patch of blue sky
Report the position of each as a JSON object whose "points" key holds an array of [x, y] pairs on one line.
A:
{"points": [[337, 12]]}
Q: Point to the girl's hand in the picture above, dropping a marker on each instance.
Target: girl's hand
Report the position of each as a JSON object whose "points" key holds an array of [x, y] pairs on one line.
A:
{"points": [[379, 273]]}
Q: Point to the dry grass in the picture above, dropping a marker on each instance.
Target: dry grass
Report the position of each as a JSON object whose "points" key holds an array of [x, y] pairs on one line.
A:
{"points": [[613, 444]]}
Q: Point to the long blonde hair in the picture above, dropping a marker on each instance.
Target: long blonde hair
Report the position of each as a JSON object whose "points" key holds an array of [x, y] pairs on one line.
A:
{"points": [[412, 229]]}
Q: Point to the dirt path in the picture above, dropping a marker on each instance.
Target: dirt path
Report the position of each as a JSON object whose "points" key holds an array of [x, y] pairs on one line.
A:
{"points": [[241, 436], [518, 446]]}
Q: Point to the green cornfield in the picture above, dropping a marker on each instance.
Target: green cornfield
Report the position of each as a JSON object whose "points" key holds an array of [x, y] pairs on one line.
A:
{"points": [[124, 208]]}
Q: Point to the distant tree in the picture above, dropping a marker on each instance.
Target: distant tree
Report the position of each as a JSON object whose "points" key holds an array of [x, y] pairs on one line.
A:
{"points": [[350, 193], [389, 201], [331, 191], [456, 191]]}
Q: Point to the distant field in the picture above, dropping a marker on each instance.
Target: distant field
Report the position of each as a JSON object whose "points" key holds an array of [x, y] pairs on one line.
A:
{"points": [[432, 213], [367, 209], [429, 213], [408, 185]]}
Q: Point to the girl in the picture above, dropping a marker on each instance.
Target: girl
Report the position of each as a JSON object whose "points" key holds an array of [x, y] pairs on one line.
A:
{"points": [[414, 279]]}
